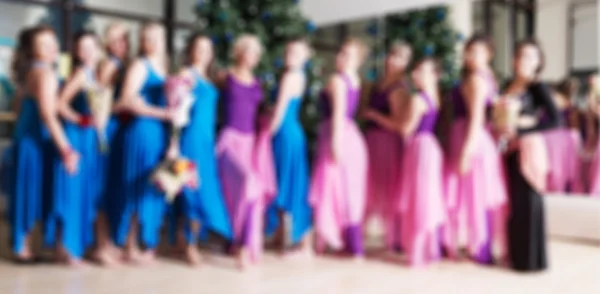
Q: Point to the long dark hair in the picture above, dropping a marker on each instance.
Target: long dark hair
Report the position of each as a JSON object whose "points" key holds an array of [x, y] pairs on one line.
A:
{"points": [[533, 43], [187, 59], [436, 64], [25, 51], [77, 38], [476, 39]]}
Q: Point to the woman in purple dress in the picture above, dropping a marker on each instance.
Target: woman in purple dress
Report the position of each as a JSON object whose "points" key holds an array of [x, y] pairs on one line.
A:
{"points": [[239, 154]]}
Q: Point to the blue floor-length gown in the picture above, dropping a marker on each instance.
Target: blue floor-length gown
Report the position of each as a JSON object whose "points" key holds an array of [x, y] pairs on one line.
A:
{"points": [[205, 205], [138, 147], [292, 169], [26, 188], [74, 199]]}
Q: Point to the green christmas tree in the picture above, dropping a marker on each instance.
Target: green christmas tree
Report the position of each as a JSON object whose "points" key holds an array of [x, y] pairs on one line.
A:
{"points": [[430, 33], [275, 22]]}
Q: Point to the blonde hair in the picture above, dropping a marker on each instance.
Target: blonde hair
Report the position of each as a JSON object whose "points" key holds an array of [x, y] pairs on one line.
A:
{"points": [[114, 31], [243, 42], [147, 27], [363, 51]]}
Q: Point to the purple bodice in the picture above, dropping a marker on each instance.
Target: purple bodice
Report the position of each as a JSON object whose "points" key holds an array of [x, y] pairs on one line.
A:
{"points": [[353, 99], [429, 119], [241, 104], [380, 100], [458, 99]]}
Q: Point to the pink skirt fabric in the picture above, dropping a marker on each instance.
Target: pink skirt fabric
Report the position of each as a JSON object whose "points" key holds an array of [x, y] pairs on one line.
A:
{"points": [[471, 197], [594, 173], [247, 174], [385, 150], [421, 197], [563, 146], [338, 189]]}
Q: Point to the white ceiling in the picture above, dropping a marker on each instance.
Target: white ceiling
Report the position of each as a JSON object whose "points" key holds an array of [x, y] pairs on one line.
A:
{"points": [[324, 12]]}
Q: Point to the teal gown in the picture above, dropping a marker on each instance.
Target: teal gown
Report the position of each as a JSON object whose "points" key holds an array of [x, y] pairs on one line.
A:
{"points": [[292, 171], [205, 205]]}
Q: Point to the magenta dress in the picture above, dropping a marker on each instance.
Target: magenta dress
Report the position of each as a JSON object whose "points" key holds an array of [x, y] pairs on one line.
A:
{"points": [[338, 189], [564, 146], [475, 201], [421, 196], [246, 165], [384, 149]]}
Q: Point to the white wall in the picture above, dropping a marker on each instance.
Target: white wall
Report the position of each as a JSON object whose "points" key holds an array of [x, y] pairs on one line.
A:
{"points": [[552, 25], [585, 36]]}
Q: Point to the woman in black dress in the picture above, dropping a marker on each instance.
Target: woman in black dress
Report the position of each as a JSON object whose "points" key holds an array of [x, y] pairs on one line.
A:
{"points": [[526, 230]]}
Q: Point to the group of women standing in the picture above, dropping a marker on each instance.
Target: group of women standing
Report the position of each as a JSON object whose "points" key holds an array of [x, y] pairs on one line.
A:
{"points": [[255, 177]]}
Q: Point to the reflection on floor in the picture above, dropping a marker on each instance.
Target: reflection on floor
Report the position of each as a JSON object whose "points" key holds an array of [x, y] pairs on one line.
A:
{"points": [[575, 268]]}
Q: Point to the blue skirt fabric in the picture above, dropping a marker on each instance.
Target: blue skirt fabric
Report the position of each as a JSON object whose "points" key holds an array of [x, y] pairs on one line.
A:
{"points": [[24, 189], [137, 149], [67, 210], [205, 205], [289, 151]]}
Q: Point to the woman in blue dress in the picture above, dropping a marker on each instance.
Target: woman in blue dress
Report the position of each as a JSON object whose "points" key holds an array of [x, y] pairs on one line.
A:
{"points": [[111, 73], [290, 153], [204, 207], [136, 208], [80, 127], [39, 142]]}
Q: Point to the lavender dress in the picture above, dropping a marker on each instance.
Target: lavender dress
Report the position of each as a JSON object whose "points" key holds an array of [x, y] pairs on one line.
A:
{"points": [[481, 193], [338, 186], [239, 156], [421, 201]]}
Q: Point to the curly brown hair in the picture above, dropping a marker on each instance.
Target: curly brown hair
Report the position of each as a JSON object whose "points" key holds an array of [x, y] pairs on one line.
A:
{"points": [[25, 51]]}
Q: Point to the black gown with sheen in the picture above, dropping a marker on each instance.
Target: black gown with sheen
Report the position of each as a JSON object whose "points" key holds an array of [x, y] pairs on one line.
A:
{"points": [[526, 228]]}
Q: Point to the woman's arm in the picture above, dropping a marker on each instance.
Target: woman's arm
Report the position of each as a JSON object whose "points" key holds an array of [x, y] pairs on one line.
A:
{"points": [[289, 82], [543, 100], [475, 92], [131, 100], [73, 86], [338, 103], [414, 111], [45, 90], [389, 122]]}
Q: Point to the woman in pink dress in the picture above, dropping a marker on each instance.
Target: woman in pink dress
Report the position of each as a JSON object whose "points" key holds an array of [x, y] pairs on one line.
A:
{"points": [[338, 187], [476, 190], [244, 157], [383, 143], [564, 144], [421, 200]]}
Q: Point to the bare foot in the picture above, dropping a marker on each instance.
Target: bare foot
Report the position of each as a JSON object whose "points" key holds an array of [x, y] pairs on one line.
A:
{"points": [[192, 256], [25, 255], [303, 254], [132, 255], [104, 257], [243, 259], [147, 257], [358, 259], [63, 257]]}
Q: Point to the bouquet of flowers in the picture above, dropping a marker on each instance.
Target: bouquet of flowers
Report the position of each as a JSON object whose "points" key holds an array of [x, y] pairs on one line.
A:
{"points": [[180, 99], [100, 100], [505, 116], [177, 172], [173, 175]]}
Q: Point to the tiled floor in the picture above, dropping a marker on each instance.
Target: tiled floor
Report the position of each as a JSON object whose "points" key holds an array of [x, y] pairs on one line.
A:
{"points": [[575, 269]]}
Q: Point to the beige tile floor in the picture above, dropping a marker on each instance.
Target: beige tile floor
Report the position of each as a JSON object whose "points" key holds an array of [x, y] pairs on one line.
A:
{"points": [[575, 269]]}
